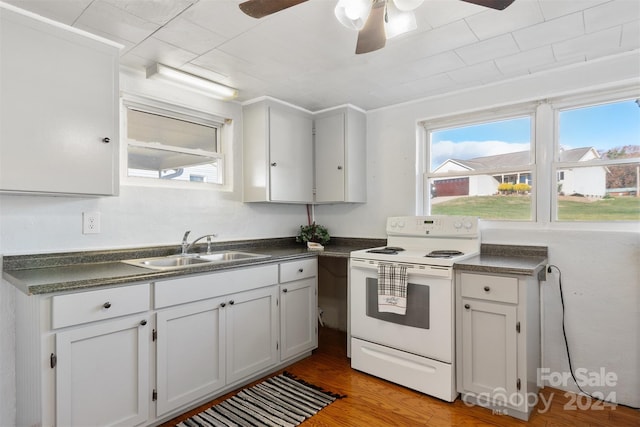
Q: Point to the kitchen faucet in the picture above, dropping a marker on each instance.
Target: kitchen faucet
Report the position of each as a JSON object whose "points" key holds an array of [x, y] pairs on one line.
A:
{"points": [[186, 245]]}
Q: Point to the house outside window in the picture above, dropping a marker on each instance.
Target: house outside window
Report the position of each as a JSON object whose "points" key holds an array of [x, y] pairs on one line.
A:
{"points": [[601, 179], [588, 161], [475, 169]]}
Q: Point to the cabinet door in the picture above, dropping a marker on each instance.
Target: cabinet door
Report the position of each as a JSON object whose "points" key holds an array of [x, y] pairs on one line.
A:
{"points": [[489, 354], [330, 160], [298, 324], [102, 374], [252, 328], [190, 353], [290, 156], [59, 101]]}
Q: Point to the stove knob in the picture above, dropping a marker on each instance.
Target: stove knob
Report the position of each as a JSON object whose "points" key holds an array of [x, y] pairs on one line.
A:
{"points": [[468, 225], [457, 225], [401, 224]]}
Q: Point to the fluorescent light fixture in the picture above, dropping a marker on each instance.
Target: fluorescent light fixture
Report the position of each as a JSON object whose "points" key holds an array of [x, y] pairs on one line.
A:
{"points": [[191, 82]]}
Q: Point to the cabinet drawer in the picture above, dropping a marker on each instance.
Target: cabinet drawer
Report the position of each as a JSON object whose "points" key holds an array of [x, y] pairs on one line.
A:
{"points": [[84, 307], [213, 285], [296, 270], [492, 288]]}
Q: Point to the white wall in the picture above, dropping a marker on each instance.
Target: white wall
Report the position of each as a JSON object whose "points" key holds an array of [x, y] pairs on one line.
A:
{"points": [[600, 267]]}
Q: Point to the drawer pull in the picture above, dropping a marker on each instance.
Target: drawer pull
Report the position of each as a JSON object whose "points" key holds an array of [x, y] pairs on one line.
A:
{"points": [[285, 290], [107, 305], [222, 304], [232, 302], [143, 322], [487, 289], [300, 270], [467, 306]]}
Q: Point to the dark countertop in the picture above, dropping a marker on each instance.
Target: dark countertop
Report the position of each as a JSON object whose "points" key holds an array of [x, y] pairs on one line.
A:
{"points": [[49, 273], [507, 259]]}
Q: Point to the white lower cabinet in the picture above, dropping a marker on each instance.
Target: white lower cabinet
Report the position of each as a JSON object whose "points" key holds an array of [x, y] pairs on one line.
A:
{"points": [[498, 342], [109, 357], [102, 375], [298, 305], [190, 353], [83, 358], [252, 332], [489, 344], [205, 345]]}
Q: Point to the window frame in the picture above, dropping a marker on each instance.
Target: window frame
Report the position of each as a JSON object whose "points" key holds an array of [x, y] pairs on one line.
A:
{"points": [[470, 119], [544, 148], [179, 112], [561, 104]]}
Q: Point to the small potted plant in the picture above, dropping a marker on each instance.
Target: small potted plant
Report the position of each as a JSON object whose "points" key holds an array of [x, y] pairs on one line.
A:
{"points": [[313, 233]]}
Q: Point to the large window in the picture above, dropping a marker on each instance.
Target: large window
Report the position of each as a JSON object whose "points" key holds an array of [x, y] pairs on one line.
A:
{"points": [[587, 168], [482, 169], [598, 162], [167, 145]]}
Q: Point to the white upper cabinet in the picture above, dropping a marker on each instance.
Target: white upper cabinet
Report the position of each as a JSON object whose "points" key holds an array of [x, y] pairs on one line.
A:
{"points": [[340, 156], [281, 164], [277, 153], [59, 108]]}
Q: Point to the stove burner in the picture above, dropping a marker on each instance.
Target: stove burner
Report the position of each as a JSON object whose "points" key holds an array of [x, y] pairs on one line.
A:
{"points": [[443, 254], [389, 250]]}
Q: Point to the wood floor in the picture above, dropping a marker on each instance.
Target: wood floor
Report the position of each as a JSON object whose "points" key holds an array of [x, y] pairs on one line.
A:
{"points": [[373, 402]]}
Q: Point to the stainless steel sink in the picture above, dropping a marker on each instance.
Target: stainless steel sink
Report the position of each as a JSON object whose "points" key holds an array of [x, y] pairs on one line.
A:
{"points": [[229, 256], [173, 262]]}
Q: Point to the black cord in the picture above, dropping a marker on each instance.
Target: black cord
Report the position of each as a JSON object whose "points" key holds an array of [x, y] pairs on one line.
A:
{"points": [[566, 344]]}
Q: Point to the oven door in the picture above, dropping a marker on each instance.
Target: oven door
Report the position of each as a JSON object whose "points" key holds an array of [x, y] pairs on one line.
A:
{"points": [[427, 327]]}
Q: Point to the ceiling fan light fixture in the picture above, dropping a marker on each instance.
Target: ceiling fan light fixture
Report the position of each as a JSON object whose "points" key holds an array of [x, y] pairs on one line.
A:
{"points": [[353, 13], [191, 82], [398, 22], [407, 5]]}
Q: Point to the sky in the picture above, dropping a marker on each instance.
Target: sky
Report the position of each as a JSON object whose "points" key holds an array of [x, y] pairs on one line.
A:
{"points": [[603, 127]]}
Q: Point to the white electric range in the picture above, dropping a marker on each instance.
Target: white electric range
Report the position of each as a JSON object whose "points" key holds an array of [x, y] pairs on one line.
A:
{"points": [[415, 349]]}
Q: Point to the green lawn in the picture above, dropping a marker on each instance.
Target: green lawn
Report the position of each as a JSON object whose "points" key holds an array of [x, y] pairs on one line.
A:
{"points": [[519, 208]]}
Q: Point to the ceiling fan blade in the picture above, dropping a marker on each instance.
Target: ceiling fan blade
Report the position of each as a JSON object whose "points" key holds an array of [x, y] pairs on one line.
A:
{"points": [[262, 8], [493, 4], [372, 36]]}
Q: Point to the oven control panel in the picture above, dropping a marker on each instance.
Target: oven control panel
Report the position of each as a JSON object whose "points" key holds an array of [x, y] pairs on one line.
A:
{"points": [[433, 225]]}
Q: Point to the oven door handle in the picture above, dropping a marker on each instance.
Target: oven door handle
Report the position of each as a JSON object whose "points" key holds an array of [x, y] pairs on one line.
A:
{"points": [[412, 269]]}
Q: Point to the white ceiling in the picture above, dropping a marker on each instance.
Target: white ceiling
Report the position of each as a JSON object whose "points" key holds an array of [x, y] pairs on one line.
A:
{"points": [[304, 56]]}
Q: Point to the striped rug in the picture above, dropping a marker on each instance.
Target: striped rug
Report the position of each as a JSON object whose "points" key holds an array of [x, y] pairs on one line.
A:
{"points": [[280, 401]]}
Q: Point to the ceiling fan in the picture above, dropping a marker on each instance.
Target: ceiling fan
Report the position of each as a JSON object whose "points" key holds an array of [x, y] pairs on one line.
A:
{"points": [[375, 20]]}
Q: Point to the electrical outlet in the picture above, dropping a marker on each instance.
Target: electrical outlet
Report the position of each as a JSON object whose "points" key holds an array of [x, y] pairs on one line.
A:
{"points": [[90, 222]]}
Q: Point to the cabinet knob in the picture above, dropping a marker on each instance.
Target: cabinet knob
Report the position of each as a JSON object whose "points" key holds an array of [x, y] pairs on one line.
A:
{"points": [[222, 304], [274, 164], [467, 306], [232, 302], [143, 322], [300, 270], [339, 168], [487, 289], [106, 140], [107, 304], [285, 290]]}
